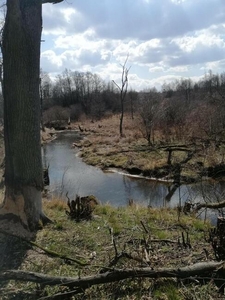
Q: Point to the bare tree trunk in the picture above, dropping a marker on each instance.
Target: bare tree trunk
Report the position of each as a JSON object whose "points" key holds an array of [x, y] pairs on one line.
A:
{"points": [[123, 92], [21, 73], [122, 112]]}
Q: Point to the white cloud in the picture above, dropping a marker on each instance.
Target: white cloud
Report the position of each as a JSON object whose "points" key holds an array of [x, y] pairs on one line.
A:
{"points": [[50, 57], [164, 39], [156, 69], [178, 69], [202, 38]]}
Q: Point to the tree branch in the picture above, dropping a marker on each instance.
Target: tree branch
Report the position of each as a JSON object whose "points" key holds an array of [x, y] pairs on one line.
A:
{"points": [[211, 205], [201, 268], [51, 1], [47, 251]]}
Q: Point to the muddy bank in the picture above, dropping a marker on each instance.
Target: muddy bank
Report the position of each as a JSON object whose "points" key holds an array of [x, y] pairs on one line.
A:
{"points": [[170, 173]]}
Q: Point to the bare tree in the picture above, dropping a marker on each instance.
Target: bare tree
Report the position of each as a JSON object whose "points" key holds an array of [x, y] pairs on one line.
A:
{"points": [[133, 96], [123, 91], [149, 109]]}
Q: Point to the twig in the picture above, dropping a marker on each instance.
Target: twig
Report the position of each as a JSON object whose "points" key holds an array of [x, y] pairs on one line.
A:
{"points": [[143, 225], [62, 256], [143, 241], [65, 295]]}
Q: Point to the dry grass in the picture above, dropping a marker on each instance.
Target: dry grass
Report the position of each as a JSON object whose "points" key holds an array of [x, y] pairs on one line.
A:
{"points": [[55, 203], [103, 146]]}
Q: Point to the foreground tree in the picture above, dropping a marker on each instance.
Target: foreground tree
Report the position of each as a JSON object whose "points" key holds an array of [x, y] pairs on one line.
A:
{"points": [[21, 73]]}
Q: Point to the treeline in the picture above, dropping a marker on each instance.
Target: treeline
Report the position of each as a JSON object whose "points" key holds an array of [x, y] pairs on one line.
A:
{"points": [[81, 93], [182, 108]]}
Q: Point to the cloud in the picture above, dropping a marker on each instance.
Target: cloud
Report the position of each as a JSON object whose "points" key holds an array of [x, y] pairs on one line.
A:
{"points": [[177, 37], [136, 19]]}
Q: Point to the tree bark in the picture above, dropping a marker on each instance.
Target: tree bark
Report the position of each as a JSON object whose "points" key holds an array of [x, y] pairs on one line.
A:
{"points": [[21, 73]]}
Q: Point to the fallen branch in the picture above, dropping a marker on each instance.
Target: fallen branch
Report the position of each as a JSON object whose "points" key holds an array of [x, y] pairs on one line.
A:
{"points": [[210, 205], [111, 276], [51, 1], [59, 255], [47, 251], [143, 241]]}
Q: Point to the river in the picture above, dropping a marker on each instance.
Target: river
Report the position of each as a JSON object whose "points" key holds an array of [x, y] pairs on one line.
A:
{"points": [[68, 173]]}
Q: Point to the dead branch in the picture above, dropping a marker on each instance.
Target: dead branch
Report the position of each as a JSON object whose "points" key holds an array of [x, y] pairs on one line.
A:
{"points": [[198, 269], [122, 254], [51, 1], [210, 205], [59, 255], [143, 241], [143, 225], [47, 251]]}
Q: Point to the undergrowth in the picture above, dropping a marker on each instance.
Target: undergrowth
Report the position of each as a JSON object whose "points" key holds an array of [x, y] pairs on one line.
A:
{"points": [[171, 243]]}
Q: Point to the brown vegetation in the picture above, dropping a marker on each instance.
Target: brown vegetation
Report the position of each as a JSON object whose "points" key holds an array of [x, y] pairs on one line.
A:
{"points": [[103, 147]]}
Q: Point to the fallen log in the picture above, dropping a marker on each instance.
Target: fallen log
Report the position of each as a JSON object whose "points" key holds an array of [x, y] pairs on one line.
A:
{"points": [[202, 268]]}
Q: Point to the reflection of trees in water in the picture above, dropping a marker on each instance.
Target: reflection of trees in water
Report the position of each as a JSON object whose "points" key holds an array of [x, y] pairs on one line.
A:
{"points": [[154, 192], [207, 191], [127, 186]]}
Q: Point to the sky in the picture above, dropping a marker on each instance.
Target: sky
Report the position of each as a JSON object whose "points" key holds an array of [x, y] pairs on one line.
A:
{"points": [[164, 40]]}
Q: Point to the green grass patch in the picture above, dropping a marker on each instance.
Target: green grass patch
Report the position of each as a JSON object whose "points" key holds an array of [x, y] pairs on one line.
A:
{"points": [[93, 243]]}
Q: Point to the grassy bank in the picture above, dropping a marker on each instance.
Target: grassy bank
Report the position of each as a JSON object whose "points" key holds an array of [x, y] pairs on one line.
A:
{"points": [[103, 147], [150, 237]]}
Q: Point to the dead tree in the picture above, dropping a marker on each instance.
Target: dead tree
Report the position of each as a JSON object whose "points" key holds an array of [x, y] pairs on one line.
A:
{"points": [[123, 91]]}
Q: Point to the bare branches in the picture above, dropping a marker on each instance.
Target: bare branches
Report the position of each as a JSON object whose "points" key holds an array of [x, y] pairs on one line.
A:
{"points": [[123, 91]]}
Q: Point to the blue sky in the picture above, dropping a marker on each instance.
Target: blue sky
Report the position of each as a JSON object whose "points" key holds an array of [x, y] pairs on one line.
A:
{"points": [[165, 39]]}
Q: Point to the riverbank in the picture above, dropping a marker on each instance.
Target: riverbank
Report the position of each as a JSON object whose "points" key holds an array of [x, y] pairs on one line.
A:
{"points": [[47, 135], [118, 238], [180, 161]]}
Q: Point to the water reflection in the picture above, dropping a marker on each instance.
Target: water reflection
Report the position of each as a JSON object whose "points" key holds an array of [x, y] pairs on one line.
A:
{"points": [[69, 174]]}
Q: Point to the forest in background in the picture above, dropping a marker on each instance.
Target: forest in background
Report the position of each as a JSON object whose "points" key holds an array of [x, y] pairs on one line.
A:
{"points": [[182, 111]]}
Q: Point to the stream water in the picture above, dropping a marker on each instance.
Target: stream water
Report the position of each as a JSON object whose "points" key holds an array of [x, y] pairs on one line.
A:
{"points": [[68, 173]]}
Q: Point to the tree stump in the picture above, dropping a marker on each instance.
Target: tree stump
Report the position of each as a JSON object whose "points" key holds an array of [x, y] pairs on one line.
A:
{"points": [[82, 207], [217, 238]]}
